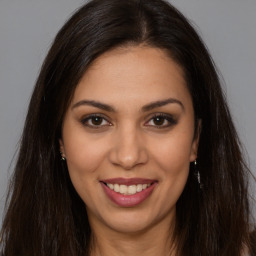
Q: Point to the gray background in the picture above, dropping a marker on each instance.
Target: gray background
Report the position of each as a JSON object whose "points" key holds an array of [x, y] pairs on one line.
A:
{"points": [[27, 28]]}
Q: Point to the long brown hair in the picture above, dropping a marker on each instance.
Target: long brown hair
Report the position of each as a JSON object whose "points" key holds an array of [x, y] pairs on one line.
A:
{"points": [[45, 216]]}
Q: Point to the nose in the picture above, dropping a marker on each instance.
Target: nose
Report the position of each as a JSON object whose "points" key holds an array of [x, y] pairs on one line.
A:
{"points": [[128, 149]]}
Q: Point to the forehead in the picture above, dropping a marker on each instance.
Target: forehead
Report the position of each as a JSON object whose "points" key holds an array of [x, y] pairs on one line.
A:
{"points": [[132, 74]]}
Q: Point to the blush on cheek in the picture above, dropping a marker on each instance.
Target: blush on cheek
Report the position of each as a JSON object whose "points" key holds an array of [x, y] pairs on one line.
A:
{"points": [[175, 160], [85, 156]]}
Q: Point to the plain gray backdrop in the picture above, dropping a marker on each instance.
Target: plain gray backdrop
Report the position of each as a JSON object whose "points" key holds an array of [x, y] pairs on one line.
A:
{"points": [[27, 28]]}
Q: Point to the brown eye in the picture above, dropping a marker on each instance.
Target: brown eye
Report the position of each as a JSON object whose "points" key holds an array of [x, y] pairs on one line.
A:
{"points": [[95, 121], [159, 120]]}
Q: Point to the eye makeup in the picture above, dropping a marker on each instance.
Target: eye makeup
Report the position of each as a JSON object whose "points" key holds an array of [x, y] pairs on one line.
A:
{"points": [[161, 120], [157, 120], [95, 121]]}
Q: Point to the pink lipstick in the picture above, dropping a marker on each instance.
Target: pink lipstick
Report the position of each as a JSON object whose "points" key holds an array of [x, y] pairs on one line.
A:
{"points": [[128, 192]]}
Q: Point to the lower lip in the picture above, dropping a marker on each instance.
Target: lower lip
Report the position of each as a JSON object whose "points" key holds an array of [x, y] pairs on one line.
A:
{"points": [[128, 200]]}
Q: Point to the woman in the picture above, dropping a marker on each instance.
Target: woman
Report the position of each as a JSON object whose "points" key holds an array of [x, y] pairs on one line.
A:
{"points": [[128, 146]]}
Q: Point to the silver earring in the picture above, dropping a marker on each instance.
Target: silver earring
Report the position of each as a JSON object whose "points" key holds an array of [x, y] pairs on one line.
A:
{"points": [[198, 176], [62, 157]]}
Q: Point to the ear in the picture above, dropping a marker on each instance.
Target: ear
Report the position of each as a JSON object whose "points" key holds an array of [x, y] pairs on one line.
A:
{"points": [[195, 143], [62, 150]]}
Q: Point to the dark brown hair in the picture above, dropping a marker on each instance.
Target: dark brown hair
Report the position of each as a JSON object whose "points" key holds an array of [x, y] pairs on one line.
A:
{"points": [[46, 217]]}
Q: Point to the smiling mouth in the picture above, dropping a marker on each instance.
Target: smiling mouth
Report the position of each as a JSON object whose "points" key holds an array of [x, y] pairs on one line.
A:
{"points": [[128, 190]]}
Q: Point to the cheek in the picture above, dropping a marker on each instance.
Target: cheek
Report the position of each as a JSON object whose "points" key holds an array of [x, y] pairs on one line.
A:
{"points": [[173, 159], [84, 155], [173, 154], [83, 152], [83, 158]]}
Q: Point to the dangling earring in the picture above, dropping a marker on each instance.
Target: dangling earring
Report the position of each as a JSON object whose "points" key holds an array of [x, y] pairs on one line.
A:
{"points": [[62, 156], [198, 176]]}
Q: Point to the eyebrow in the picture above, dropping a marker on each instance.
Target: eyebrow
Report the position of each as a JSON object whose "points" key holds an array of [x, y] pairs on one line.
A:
{"points": [[161, 103], [94, 104], [108, 108]]}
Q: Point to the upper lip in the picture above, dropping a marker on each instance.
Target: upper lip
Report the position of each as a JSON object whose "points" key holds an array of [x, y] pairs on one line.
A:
{"points": [[128, 181]]}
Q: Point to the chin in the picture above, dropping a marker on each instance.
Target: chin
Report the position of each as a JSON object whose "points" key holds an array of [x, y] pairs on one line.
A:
{"points": [[131, 220], [129, 225]]}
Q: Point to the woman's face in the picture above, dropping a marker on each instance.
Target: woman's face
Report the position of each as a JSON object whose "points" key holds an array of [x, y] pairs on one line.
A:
{"points": [[128, 139]]}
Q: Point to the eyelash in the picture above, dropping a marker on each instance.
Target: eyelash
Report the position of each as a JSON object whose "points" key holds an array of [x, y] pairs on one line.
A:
{"points": [[85, 121], [169, 118]]}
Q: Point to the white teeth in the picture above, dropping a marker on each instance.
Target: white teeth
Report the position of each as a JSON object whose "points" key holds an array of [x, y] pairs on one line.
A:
{"points": [[116, 188], [132, 189], [128, 190], [123, 189], [144, 186], [139, 187], [111, 186]]}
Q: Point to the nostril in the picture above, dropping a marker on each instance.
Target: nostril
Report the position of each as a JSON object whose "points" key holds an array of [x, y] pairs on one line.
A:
{"points": [[128, 154]]}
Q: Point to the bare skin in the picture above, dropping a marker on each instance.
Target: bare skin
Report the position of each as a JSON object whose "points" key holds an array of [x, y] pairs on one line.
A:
{"points": [[131, 117]]}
